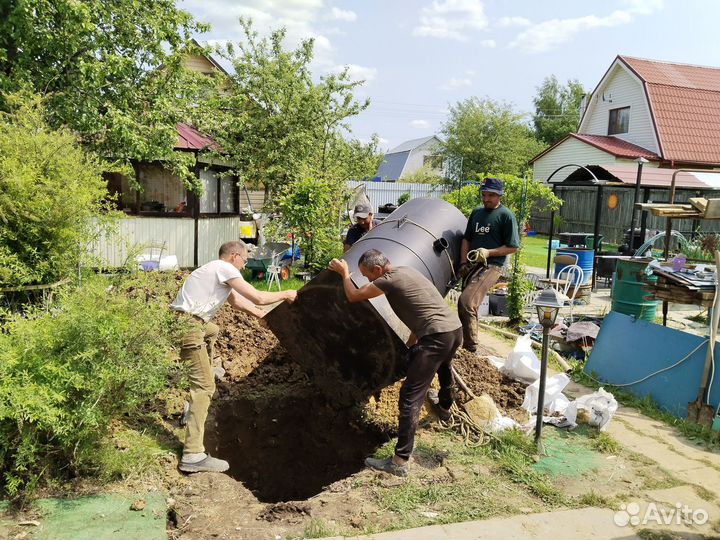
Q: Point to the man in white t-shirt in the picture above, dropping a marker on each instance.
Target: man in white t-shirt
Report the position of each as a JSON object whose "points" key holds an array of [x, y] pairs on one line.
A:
{"points": [[201, 297]]}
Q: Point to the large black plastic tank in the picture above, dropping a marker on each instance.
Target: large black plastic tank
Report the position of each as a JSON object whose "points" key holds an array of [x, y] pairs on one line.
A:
{"points": [[354, 350]]}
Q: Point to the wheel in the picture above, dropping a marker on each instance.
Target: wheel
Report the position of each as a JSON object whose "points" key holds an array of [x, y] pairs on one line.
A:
{"points": [[285, 273]]}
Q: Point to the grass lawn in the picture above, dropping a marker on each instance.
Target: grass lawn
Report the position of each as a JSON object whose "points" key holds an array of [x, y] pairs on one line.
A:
{"points": [[535, 250]]}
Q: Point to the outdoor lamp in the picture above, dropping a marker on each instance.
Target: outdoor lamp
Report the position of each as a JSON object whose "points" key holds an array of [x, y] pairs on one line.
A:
{"points": [[547, 304]]}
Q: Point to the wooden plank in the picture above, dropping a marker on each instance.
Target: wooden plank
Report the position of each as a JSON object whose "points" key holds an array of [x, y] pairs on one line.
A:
{"points": [[712, 210], [699, 203]]}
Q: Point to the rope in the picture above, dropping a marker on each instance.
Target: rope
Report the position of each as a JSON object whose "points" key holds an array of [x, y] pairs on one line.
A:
{"points": [[473, 434]]}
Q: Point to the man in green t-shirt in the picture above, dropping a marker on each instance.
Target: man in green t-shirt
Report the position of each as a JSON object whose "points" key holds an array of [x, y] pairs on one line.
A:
{"points": [[491, 235]]}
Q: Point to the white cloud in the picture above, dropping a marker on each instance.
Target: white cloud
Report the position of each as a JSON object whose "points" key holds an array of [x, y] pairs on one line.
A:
{"points": [[343, 15], [451, 19], [298, 17], [420, 124], [357, 73], [553, 33], [455, 83], [470, 72], [488, 43], [504, 22]]}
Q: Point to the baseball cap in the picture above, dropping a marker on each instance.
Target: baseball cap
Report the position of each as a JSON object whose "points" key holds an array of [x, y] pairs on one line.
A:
{"points": [[492, 185], [361, 211]]}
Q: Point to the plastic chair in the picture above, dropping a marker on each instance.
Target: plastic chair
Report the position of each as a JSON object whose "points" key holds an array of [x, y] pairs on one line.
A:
{"points": [[574, 276], [152, 253], [274, 270]]}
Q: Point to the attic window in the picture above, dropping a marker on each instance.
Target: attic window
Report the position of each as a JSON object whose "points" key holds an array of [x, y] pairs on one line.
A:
{"points": [[619, 120]]}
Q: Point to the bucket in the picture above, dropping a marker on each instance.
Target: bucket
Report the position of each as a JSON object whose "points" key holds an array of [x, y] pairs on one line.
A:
{"points": [[628, 296], [585, 256]]}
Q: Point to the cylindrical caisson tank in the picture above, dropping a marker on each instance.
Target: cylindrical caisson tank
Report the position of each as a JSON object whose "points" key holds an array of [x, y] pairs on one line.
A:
{"points": [[354, 350]]}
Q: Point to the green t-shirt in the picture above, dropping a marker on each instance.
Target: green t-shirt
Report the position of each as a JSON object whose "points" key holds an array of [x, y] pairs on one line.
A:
{"points": [[491, 229]]}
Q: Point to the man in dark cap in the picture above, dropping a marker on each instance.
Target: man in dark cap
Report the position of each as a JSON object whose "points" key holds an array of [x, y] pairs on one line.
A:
{"points": [[364, 221], [491, 235]]}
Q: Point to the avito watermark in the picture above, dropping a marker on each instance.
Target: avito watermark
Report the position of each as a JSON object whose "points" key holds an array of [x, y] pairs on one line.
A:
{"points": [[680, 514]]}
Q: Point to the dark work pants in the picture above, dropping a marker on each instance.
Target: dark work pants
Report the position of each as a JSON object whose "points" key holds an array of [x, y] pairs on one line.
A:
{"points": [[431, 354]]}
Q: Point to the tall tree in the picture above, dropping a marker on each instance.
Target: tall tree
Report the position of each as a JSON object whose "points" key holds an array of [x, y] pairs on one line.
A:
{"points": [[111, 71], [557, 109], [489, 137], [272, 118]]}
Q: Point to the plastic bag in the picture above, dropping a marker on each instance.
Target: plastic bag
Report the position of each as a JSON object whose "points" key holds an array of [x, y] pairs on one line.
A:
{"points": [[553, 391], [522, 364], [598, 407]]}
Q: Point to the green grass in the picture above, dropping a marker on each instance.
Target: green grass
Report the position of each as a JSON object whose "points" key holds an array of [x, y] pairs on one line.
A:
{"points": [[535, 250], [262, 284], [317, 528], [603, 442]]}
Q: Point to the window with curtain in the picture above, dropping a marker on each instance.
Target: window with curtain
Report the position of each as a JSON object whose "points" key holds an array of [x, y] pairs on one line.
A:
{"points": [[619, 121]]}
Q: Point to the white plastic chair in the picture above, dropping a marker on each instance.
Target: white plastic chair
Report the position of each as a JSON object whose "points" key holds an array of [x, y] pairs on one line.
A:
{"points": [[274, 270], [152, 254], [574, 277]]}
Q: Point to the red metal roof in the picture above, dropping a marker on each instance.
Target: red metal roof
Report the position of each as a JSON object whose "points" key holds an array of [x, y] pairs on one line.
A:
{"points": [[616, 147], [685, 103], [655, 177], [190, 138]]}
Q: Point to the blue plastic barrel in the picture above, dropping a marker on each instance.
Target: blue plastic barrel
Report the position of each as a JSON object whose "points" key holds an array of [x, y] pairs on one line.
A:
{"points": [[585, 256]]}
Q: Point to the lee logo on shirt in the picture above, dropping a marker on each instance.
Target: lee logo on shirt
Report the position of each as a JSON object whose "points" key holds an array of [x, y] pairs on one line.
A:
{"points": [[484, 230]]}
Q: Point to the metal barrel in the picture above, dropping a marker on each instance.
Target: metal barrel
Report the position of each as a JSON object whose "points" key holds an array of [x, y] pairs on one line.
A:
{"points": [[628, 296], [354, 350], [586, 258]]}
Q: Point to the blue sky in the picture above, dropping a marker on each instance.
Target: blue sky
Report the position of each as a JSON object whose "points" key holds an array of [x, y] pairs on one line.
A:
{"points": [[419, 56]]}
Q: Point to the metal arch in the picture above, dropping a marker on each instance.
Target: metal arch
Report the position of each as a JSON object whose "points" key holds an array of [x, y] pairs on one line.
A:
{"points": [[552, 217], [572, 165]]}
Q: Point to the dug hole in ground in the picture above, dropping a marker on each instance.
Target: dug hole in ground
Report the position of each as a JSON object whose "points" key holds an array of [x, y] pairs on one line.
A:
{"points": [[296, 460]]}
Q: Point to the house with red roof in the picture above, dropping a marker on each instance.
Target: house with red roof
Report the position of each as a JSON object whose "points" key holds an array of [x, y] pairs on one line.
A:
{"points": [[164, 211], [666, 115]]}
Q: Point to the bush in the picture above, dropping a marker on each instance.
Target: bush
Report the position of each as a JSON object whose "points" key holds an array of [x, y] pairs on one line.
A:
{"points": [[65, 375], [50, 190]]}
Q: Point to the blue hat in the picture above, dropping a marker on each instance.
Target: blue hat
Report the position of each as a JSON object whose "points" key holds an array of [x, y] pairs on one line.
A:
{"points": [[492, 185]]}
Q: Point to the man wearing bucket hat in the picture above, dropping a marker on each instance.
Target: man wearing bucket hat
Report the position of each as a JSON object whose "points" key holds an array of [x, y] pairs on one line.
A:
{"points": [[364, 221], [491, 235]]}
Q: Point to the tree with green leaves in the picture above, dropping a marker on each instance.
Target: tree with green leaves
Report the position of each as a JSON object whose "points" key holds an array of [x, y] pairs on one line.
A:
{"points": [[110, 71], [51, 196], [557, 109], [488, 136], [274, 120]]}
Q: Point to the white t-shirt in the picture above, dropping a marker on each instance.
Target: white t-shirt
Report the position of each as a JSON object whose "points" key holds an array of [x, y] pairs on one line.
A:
{"points": [[206, 289]]}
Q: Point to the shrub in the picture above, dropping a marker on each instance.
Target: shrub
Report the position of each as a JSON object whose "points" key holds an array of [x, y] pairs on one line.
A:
{"points": [[50, 190], [102, 352]]}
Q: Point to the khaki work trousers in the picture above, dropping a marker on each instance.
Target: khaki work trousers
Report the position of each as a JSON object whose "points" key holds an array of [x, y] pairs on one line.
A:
{"points": [[472, 296], [196, 348]]}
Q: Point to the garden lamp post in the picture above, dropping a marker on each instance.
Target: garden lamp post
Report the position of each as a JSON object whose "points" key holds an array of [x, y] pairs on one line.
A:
{"points": [[547, 304]]}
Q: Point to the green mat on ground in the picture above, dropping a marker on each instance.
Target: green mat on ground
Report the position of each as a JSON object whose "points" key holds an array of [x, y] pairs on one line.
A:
{"points": [[105, 516], [566, 455]]}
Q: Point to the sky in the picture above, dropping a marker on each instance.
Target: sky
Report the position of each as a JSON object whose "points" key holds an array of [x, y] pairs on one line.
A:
{"points": [[418, 57]]}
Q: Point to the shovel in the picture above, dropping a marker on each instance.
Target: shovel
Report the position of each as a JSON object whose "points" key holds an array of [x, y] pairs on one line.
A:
{"points": [[481, 410], [699, 411]]}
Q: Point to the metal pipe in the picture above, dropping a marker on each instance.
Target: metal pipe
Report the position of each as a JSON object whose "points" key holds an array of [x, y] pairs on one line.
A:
{"points": [[636, 200], [541, 390], [596, 232]]}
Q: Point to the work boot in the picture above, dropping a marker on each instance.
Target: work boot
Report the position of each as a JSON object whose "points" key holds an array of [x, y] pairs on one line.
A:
{"points": [[208, 464], [387, 465], [434, 399]]}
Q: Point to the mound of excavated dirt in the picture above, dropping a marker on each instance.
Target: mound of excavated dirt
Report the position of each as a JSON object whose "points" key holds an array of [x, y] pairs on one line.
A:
{"points": [[258, 366], [484, 378]]}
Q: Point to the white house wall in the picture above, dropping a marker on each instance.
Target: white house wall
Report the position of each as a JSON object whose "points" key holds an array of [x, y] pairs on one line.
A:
{"points": [[621, 89], [134, 232], [417, 157], [212, 233], [570, 151], [381, 193]]}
